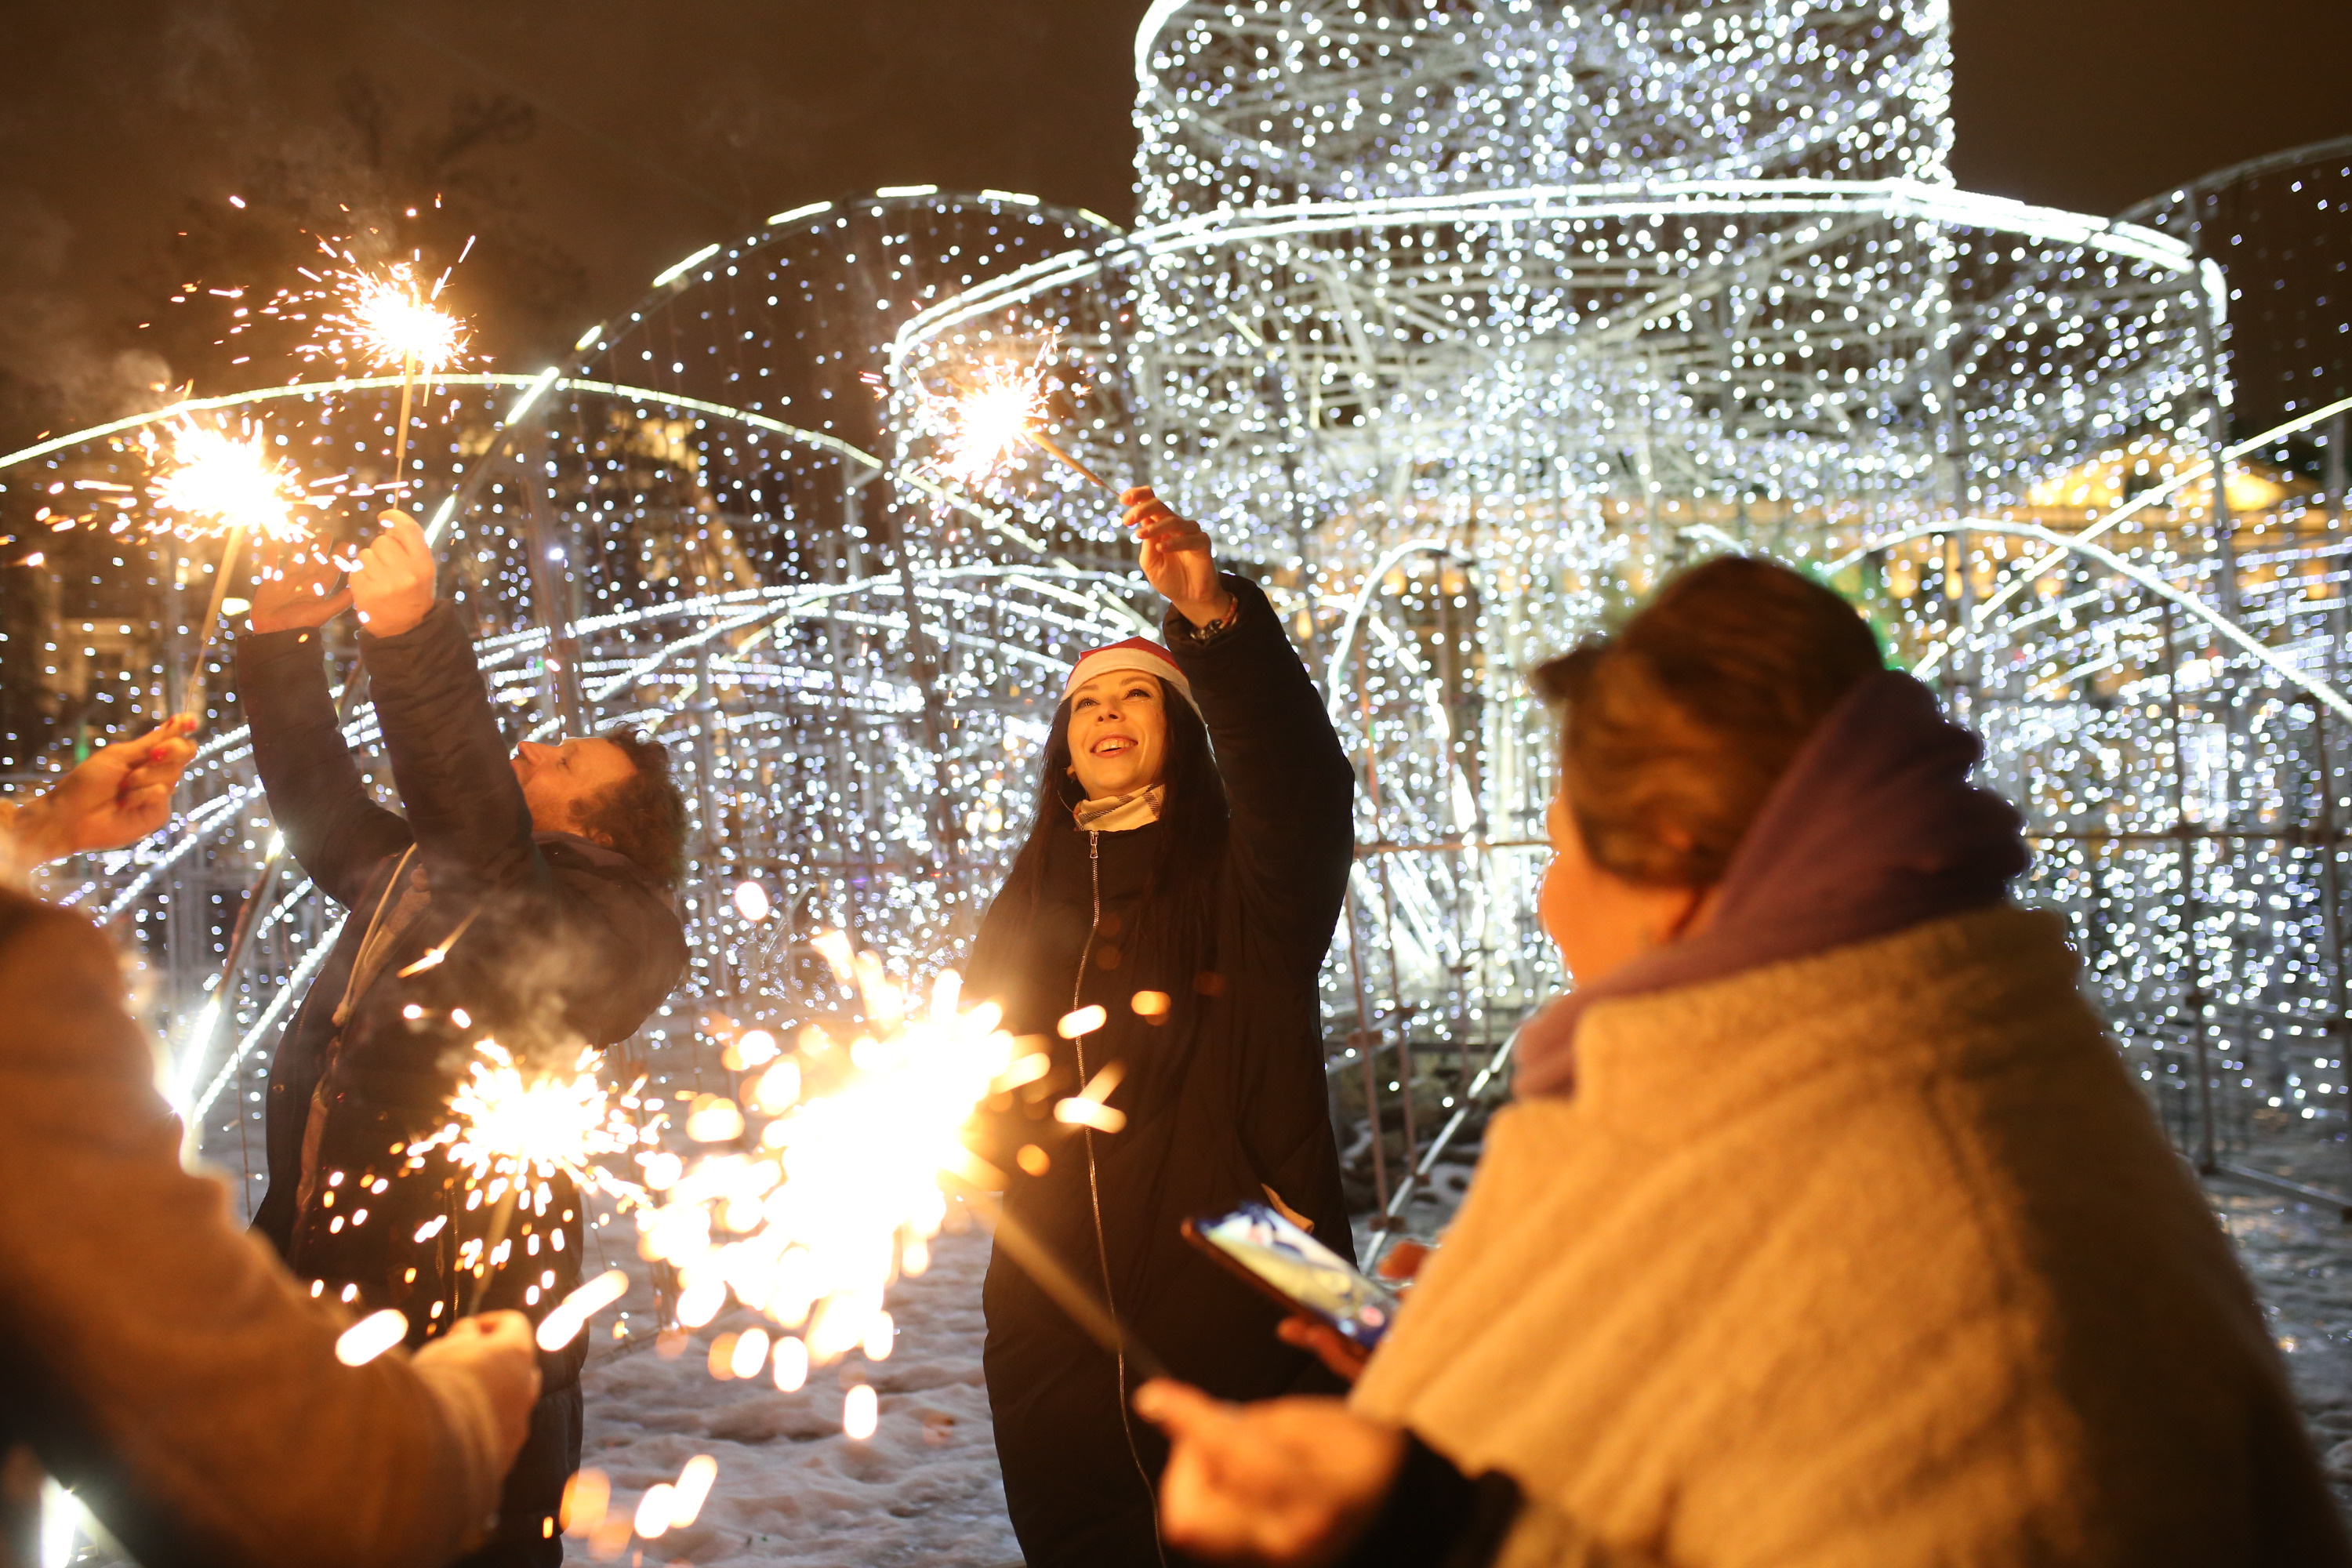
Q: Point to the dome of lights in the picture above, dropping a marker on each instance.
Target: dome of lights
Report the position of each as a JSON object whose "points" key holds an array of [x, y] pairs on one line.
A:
{"points": [[1462, 323], [1525, 303]]}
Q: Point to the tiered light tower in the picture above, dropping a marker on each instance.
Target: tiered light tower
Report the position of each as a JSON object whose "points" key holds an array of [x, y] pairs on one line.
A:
{"points": [[1467, 321]]}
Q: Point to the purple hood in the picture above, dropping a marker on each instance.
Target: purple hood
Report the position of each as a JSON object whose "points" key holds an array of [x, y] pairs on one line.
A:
{"points": [[1875, 827]]}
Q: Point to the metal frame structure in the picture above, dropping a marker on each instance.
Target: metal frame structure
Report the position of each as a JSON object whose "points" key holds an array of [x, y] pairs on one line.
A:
{"points": [[1459, 325]]}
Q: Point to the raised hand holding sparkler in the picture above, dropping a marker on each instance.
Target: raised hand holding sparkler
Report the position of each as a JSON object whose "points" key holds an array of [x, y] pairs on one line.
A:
{"points": [[392, 584], [295, 589], [1176, 559]]}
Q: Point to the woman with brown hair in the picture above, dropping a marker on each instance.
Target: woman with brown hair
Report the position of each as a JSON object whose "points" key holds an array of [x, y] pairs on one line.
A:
{"points": [[1828, 1227]]}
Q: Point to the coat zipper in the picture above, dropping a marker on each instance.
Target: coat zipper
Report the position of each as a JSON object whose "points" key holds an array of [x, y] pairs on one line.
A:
{"points": [[1094, 1191]]}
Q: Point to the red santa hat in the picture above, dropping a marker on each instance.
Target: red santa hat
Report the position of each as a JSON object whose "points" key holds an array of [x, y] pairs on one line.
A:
{"points": [[1135, 653]]}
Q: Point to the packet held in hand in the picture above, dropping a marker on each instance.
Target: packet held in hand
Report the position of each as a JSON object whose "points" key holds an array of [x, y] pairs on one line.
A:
{"points": [[1284, 1261]]}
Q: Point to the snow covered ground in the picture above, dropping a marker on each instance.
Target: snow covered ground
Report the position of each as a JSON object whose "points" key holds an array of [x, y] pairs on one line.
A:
{"points": [[2299, 1255], [792, 1490]]}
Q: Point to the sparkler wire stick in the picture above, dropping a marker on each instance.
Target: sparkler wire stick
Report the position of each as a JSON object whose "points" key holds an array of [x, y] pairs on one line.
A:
{"points": [[1102, 1324], [400, 436], [1044, 443], [193, 697], [500, 1218]]}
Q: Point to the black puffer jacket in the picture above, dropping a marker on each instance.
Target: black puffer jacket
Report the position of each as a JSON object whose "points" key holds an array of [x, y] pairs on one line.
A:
{"points": [[569, 943], [1225, 1096]]}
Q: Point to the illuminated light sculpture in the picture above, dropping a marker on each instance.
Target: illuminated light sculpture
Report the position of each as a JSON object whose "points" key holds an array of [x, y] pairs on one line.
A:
{"points": [[1460, 329], [1470, 322]]}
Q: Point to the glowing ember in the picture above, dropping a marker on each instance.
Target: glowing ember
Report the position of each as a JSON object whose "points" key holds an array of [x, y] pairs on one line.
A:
{"points": [[389, 317], [691, 1489], [508, 1121], [1087, 1107], [586, 1496], [212, 481], [370, 1337], [562, 1325]]}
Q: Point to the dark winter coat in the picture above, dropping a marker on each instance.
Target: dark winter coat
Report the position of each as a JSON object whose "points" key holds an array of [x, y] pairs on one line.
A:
{"points": [[569, 943], [1224, 1096]]}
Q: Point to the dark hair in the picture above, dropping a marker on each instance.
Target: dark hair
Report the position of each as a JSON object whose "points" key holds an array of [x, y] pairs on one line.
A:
{"points": [[1674, 729], [1195, 812], [644, 816]]}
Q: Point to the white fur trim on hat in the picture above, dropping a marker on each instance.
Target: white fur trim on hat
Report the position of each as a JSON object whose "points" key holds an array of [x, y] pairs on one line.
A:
{"points": [[1135, 653]]}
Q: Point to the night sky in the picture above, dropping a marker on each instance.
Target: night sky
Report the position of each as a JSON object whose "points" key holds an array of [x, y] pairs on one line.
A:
{"points": [[589, 144]]}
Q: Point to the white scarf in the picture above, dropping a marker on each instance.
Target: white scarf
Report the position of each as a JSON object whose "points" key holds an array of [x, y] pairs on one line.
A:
{"points": [[1117, 813]]}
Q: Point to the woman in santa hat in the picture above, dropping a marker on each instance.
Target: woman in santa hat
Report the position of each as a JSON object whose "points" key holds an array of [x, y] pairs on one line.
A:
{"points": [[1161, 930]]}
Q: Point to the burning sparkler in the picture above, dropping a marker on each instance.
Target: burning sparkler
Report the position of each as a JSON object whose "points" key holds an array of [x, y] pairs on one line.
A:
{"points": [[509, 1124], [805, 1216], [849, 1182], [980, 428], [845, 1190], [391, 318], [215, 483], [513, 1129]]}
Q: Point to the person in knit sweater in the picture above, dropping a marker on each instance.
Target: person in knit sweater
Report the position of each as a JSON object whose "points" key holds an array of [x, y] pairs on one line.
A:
{"points": [[1828, 1227], [154, 1358]]}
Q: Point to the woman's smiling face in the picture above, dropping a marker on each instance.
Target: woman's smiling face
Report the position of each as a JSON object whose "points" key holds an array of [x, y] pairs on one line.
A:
{"points": [[1119, 733]]}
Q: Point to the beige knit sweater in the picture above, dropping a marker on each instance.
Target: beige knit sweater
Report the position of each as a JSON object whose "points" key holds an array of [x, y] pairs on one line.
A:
{"points": [[159, 1359], [1875, 1258]]}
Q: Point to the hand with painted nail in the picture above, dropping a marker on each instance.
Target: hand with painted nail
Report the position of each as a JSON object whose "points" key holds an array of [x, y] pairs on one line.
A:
{"points": [[117, 795]]}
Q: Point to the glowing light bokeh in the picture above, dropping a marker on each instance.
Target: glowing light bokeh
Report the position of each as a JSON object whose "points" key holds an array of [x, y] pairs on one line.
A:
{"points": [[1459, 331]]}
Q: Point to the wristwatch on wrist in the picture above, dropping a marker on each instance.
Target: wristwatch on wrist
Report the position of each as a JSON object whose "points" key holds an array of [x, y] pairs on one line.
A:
{"points": [[1218, 627]]}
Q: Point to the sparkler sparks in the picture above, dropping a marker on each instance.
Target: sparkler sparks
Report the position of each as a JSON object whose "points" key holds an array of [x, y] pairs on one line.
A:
{"points": [[805, 1215], [562, 1325], [370, 1337], [389, 317], [214, 481], [845, 1187], [504, 1120], [842, 1188], [987, 423], [979, 429]]}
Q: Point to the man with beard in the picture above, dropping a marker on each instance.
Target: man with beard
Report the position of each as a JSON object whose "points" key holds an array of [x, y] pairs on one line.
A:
{"points": [[525, 899]]}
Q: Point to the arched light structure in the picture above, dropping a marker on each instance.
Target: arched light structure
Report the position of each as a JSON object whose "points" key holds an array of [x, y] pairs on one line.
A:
{"points": [[1459, 324], [1464, 322]]}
